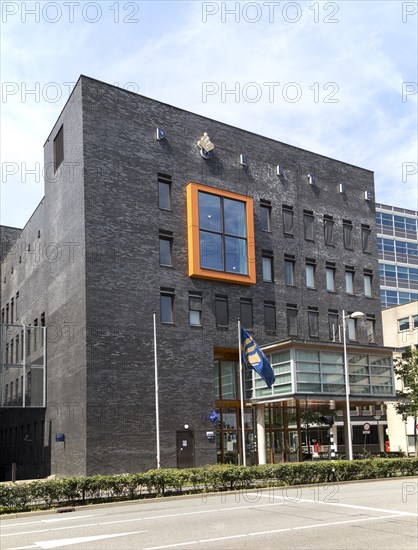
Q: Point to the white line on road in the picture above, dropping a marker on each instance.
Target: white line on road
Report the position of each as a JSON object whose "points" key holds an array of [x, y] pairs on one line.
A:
{"points": [[260, 533], [76, 540], [355, 506]]}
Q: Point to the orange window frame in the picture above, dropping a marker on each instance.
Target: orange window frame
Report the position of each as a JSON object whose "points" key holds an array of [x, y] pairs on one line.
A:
{"points": [[195, 270]]}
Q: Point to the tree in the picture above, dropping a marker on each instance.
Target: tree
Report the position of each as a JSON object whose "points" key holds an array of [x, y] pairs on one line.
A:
{"points": [[406, 369]]}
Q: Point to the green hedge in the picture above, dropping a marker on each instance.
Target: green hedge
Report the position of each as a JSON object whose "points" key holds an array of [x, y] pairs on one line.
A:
{"points": [[82, 490]]}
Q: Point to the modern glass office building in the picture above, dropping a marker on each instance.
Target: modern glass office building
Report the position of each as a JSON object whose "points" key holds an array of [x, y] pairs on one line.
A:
{"points": [[397, 238]]}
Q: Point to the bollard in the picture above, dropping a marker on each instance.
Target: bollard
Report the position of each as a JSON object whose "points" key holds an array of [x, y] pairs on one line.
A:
{"points": [[13, 472]]}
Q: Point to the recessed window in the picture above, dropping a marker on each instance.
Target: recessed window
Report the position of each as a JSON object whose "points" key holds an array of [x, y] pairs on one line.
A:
{"points": [[313, 322], [288, 226], [403, 324], [267, 260], [59, 148], [221, 235], [12, 310], [349, 280], [333, 325], [265, 216], [195, 310], [365, 238], [167, 305], [164, 191], [352, 329], [166, 247], [310, 274], [292, 319], [289, 271], [329, 230], [330, 278], [368, 277], [348, 234], [308, 225], [221, 311], [415, 321], [270, 317], [246, 313], [371, 328]]}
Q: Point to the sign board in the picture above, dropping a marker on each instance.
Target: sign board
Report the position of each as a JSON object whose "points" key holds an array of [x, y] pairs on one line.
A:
{"points": [[59, 437], [366, 428], [210, 436]]}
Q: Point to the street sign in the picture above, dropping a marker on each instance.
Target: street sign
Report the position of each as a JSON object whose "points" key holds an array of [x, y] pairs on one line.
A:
{"points": [[366, 428]]}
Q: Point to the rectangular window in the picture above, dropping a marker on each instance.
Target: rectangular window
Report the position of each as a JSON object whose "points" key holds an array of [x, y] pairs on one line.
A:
{"points": [[368, 277], [167, 305], [310, 274], [43, 329], [2, 315], [59, 148], [289, 271], [333, 325], [265, 215], [17, 312], [195, 309], [352, 329], [35, 335], [164, 191], [348, 234], [308, 225], [329, 230], [349, 280], [365, 238], [166, 247], [292, 319], [330, 278], [270, 317], [7, 313], [403, 324], [415, 321], [17, 347], [267, 259], [371, 328], [221, 235], [246, 313], [221, 311], [313, 322], [288, 228], [12, 310]]}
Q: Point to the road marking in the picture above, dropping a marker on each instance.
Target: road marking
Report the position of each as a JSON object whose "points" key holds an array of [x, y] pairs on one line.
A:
{"points": [[275, 531], [45, 544], [354, 506]]}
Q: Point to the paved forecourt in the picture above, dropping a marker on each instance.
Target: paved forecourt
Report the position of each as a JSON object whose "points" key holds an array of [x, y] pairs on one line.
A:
{"points": [[373, 514]]}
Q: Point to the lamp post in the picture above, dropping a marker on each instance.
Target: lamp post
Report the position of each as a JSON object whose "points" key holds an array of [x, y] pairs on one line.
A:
{"points": [[377, 417], [349, 443]]}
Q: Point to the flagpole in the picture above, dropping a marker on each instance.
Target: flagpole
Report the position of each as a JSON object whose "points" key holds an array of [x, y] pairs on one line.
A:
{"points": [[241, 380], [157, 413]]}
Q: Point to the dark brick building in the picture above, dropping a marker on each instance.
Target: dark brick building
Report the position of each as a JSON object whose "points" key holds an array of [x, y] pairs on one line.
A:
{"points": [[132, 225]]}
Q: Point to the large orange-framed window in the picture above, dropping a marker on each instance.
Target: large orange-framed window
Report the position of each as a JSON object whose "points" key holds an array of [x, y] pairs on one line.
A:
{"points": [[220, 235]]}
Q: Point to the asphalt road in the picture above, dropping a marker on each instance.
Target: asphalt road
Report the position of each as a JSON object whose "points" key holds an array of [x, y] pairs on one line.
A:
{"points": [[367, 515]]}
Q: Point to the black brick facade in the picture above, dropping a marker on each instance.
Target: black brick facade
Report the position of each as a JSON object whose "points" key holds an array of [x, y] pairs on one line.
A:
{"points": [[98, 277]]}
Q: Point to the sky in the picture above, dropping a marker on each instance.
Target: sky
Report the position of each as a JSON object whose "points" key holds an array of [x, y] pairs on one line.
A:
{"points": [[337, 78]]}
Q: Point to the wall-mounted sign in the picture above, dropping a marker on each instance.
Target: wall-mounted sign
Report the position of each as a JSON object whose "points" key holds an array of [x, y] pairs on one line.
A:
{"points": [[210, 436], [59, 437]]}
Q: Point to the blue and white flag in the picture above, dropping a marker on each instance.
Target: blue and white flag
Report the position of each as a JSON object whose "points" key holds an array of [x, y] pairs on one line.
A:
{"points": [[255, 358]]}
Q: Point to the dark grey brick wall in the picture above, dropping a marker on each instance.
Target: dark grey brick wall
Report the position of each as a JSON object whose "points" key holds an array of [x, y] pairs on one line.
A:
{"points": [[8, 236], [123, 276], [98, 276]]}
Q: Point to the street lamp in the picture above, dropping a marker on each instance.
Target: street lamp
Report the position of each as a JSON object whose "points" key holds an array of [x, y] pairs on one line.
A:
{"points": [[349, 443]]}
